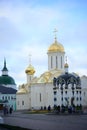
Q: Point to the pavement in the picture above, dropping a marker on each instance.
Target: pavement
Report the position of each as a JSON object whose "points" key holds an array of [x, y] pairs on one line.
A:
{"points": [[46, 121]]}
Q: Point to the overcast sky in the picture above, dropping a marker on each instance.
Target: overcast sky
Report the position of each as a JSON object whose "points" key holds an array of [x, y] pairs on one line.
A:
{"points": [[26, 27]]}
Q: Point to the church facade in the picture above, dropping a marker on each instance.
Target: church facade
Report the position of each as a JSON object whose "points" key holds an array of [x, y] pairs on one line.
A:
{"points": [[40, 92], [7, 89]]}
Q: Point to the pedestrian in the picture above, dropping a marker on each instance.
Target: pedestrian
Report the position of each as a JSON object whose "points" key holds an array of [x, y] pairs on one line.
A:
{"points": [[4, 110], [10, 110], [49, 108]]}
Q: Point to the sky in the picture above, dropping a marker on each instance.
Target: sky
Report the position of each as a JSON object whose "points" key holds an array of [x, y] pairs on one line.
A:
{"points": [[26, 28]]}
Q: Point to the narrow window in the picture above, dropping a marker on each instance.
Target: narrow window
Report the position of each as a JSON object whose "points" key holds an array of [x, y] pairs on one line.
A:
{"points": [[77, 98], [8, 97], [62, 98], [56, 62], [51, 62], [66, 92], [22, 102], [3, 98], [55, 92], [61, 61], [55, 99], [73, 92], [77, 92], [40, 97]]}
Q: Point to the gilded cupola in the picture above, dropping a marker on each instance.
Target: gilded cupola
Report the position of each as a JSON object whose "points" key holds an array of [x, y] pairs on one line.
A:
{"points": [[30, 70], [56, 46], [22, 90], [66, 65]]}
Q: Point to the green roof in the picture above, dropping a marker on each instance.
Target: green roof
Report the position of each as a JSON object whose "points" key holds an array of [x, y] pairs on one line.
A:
{"points": [[5, 79]]}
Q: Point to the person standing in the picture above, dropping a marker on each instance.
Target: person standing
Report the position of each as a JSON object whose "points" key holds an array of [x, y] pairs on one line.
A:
{"points": [[10, 110]]}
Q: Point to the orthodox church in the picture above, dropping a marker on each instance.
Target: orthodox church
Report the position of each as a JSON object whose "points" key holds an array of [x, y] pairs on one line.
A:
{"points": [[5, 79], [7, 89], [56, 86]]}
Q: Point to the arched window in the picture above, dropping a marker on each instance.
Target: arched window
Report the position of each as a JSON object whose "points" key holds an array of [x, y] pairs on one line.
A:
{"points": [[40, 97], [56, 62], [61, 62], [55, 92], [55, 99], [51, 62], [22, 102]]}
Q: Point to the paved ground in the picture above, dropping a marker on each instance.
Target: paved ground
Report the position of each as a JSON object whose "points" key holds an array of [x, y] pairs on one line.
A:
{"points": [[47, 122]]}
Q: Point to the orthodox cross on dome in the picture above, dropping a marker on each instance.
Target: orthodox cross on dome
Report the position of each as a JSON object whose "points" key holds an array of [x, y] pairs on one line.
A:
{"points": [[66, 64], [66, 59], [29, 58], [55, 31]]}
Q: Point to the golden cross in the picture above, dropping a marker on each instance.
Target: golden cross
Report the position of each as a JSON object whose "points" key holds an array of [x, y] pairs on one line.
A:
{"points": [[29, 58], [55, 31], [66, 59]]}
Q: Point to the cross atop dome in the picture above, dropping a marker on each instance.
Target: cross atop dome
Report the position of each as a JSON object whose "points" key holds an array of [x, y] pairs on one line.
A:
{"points": [[55, 31], [30, 58], [66, 59], [66, 66]]}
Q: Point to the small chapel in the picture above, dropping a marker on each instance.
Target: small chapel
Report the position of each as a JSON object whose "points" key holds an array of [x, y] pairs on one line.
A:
{"points": [[56, 86]]}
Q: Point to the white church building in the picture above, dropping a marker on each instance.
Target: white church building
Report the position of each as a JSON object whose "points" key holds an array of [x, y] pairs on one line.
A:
{"points": [[40, 92]]}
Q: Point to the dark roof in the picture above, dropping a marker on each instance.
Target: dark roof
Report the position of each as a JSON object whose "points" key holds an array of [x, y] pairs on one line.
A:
{"points": [[6, 90], [67, 78], [6, 79]]}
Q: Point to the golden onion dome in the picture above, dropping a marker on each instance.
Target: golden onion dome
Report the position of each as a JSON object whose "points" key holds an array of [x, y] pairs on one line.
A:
{"points": [[66, 65], [56, 47], [30, 70]]}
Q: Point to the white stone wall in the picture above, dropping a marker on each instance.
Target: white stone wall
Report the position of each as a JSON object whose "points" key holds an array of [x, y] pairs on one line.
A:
{"points": [[84, 90], [22, 101], [84, 97], [41, 95]]}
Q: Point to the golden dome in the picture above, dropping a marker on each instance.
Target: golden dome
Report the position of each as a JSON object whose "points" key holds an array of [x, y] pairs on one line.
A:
{"points": [[56, 47], [66, 65], [30, 70], [22, 89]]}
